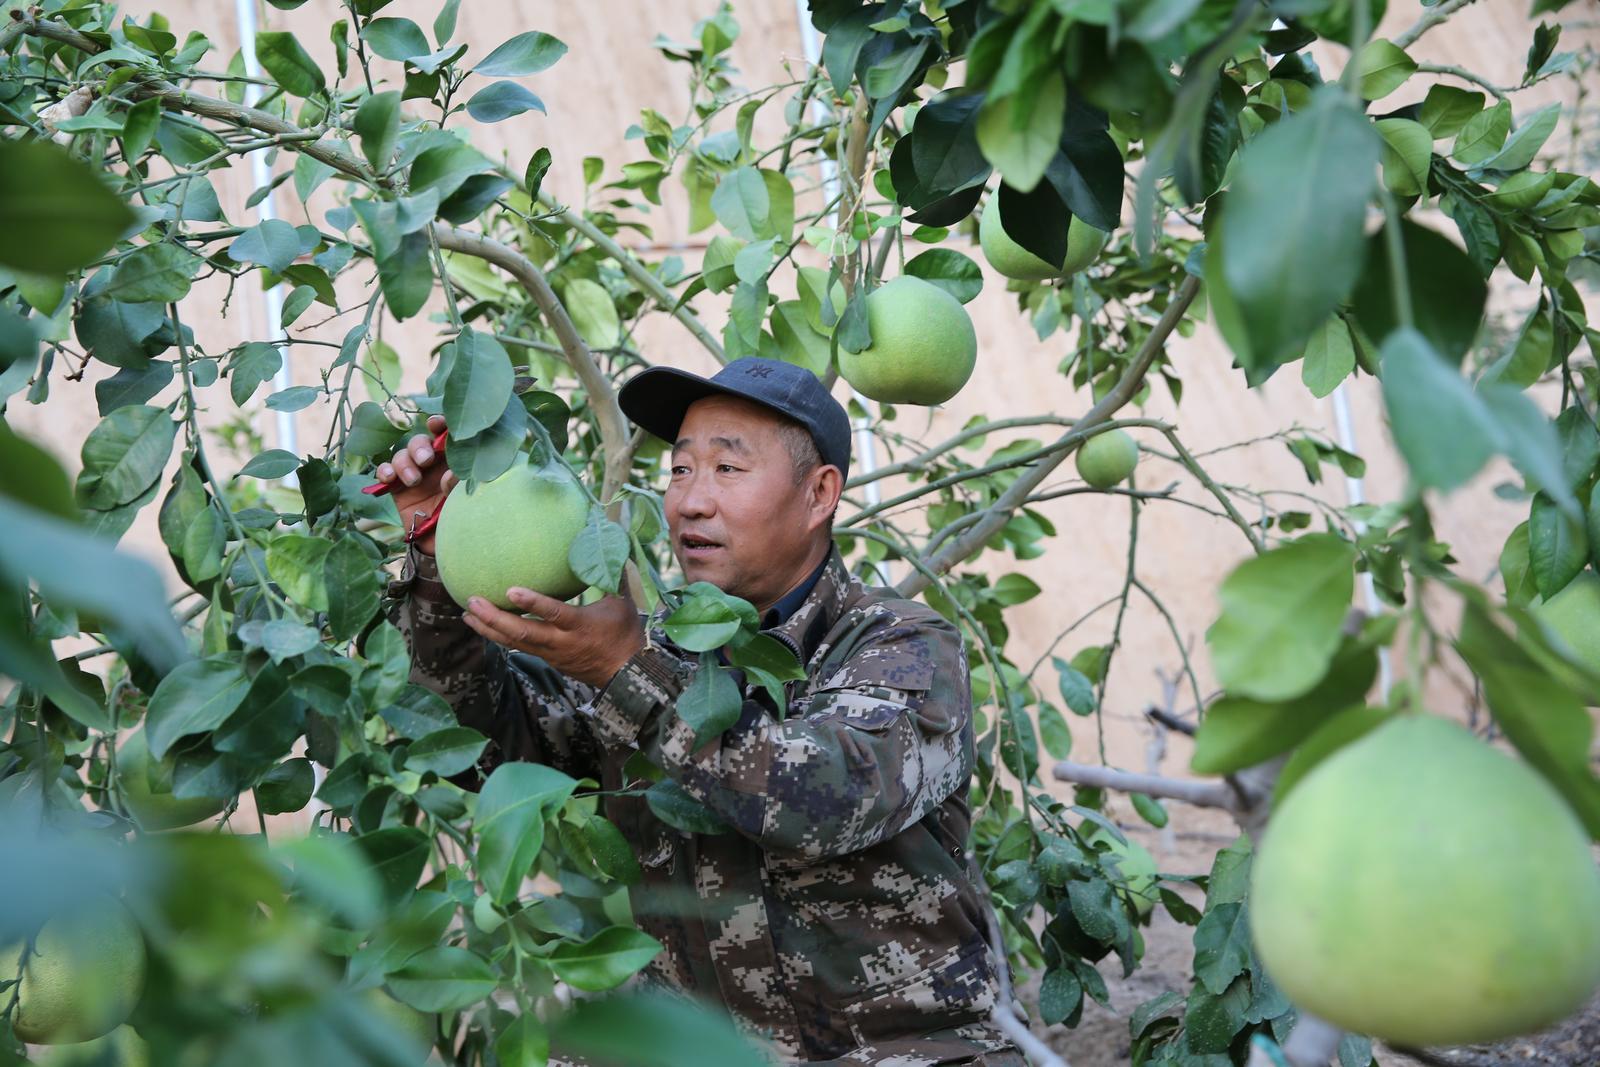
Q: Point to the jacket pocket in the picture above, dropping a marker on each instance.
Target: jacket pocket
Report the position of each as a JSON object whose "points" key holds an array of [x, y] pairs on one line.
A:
{"points": [[957, 988]]}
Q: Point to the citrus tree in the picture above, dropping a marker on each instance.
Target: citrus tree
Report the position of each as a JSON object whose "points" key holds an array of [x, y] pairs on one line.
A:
{"points": [[1130, 166]]}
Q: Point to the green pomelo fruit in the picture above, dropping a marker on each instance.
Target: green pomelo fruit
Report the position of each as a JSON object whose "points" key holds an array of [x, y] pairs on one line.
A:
{"points": [[1107, 458], [1137, 866], [147, 790], [1421, 887], [418, 1028], [923, 345], [1574, 615], [515, 530], [1084, 243], [83, 978], [122, 1047]]}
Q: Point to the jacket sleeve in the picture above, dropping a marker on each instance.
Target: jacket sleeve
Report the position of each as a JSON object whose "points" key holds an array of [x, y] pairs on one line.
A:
{"points": [[527, 709], [877, 745]]}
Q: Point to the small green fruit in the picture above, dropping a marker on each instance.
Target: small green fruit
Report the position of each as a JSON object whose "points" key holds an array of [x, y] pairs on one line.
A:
{"points": [[1137, 867], [147, 790], [1084, 243], [1574, 615], [1107, 458], [515, 530], [83, 978], [923, 345], [1422, 887]]}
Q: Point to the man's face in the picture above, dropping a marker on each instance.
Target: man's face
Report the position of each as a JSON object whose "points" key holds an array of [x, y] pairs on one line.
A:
{"points": [[737, 518]]}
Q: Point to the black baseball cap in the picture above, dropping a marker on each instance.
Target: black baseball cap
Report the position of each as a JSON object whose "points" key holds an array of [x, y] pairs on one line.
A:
{"points": [[657, 398]]}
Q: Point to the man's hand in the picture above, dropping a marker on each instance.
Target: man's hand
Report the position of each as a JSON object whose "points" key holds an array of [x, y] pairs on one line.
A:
{"points": [[420, 479], [589, 643]]}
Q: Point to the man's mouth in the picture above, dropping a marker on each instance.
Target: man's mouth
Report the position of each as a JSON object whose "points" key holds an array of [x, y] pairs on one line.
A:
{"points": [[695, 546]]}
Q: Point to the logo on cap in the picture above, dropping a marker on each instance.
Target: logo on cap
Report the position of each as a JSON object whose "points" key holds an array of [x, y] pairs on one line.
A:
{"points": [[758, 371]]}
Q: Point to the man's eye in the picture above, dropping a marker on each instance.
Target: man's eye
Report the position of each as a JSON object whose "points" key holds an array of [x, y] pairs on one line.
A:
{"points": [[723, 468], [679, 469]]}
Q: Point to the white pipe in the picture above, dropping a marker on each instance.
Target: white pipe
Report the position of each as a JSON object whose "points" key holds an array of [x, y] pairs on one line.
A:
{"points": [[1356, 493], [866, 449], [261, 174]]}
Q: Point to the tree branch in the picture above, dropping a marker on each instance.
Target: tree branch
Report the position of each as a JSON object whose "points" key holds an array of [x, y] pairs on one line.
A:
{"points": [[613, 427], [638, 274], [1200, 794], [1465, 75], [1215, 490], [1124, 391], [1431, 17], [926, 456]]}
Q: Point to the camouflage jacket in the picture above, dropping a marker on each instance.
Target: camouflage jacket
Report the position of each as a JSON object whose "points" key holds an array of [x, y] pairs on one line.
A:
{"points": [[841, 919]]}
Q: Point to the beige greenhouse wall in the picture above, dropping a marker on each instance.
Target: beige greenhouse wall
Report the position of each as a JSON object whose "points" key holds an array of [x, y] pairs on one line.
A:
{"points": [[597, 91]]}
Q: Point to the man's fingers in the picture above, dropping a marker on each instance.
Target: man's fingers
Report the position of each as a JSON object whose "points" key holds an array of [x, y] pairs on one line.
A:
{"points": [[421, 448], [436, 424], [548, 609], [447, 481], [506, 627]]}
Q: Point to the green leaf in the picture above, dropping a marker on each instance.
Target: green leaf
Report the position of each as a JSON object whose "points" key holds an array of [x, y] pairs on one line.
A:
{"points": [[1054, 732], [509, 824], [297, 562], [1383, 67], [153, 274], [593, 313], [446, 752], [1529, 439], [1523, 146], [1447, 109], [272, 464], [328, 869], [1541, 715], [538, 167], [526, 53], [653, 1030], [711, 703], [31, 475], [1212, 1020], [502, 100], [606, 960], [708, 618], [406, 275], [1330, 357], [1301, 190], [479, 383], [1483, 134], [445, 167], [673, 805], [124, 455], [1060, 994], [1221, 947], [951, 271], [1442, 428], [195, 697], [274, 244], [1076, 688], [396, 39], [251, 365], [1558, 545], [611, 852], [354, 585], [444, 25], [1281, 617], [286, 788], [56, 212], [444, 978], [598, 553], [798, 342], [523, 1042], [1329, 737], [1448, 293], [377, 124], [1020, 132], [1407, 155], [743, 204], [397, 855], [281, 56]]}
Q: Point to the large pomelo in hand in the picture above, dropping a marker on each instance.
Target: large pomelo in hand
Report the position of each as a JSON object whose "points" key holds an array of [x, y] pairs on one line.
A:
{"points": [[1422, 887], [1107, 458], [122, 1047], [83, 978], [513, 531], [923, 345], [1084, 243], [147, 790]]}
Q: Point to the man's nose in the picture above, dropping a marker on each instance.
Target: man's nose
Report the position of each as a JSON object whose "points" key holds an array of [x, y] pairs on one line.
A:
{"points": [[695, 500]]}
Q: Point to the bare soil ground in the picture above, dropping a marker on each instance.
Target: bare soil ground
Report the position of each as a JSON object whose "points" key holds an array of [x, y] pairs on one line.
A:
{"points": [[1187, 846]]}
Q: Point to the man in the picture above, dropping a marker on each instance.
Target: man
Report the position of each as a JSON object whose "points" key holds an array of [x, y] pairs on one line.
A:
{"points": [[841, 919]]}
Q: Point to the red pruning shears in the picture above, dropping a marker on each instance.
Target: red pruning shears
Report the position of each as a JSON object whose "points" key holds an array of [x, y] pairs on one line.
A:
{"points": [[429, 522]]}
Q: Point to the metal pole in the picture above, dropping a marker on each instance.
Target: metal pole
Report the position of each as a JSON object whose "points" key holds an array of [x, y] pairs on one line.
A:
{"points": [[1356, 493], [261, 174]]}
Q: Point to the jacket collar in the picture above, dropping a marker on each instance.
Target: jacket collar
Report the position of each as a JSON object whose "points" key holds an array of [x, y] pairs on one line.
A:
{"points": [[805, 630]]}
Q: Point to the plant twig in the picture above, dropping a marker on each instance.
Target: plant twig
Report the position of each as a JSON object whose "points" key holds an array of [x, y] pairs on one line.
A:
{"points": [[613, 427], [1431, 17], [1124, 391], [1465, 75]]}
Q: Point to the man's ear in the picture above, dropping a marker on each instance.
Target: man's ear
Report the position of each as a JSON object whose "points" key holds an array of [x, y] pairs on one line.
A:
{"points": [[826, 486]]}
